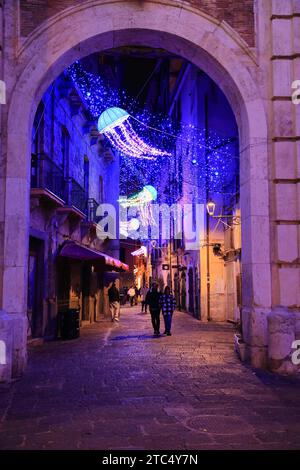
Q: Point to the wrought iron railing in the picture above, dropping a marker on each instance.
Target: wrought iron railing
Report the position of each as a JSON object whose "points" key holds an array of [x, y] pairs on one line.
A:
{"points": [[76, 195], [47, 174]]}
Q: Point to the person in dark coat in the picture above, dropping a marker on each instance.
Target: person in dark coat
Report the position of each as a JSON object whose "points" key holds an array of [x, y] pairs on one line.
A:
{"points": [[114, 302], [152, 299], [167, 303], [144, 293]]}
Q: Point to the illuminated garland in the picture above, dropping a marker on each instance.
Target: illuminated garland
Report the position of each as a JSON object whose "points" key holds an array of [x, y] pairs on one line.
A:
{"points": [[204, 160]]}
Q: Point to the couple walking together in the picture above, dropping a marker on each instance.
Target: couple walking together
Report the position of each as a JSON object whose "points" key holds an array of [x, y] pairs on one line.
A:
{"points": [[157, 302], [161, 302]]}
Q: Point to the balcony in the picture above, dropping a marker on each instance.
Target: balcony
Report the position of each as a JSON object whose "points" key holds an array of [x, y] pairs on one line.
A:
{"points": [[47, 180], [49, 184], [76, 196]]}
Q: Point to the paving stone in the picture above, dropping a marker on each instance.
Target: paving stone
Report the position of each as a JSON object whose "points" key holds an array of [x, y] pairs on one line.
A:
{"points": [[120, 388]]}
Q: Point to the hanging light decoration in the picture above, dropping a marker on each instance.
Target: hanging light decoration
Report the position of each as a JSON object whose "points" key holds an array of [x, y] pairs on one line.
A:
{"points": [[128, 226], [142, 200], [114, 124], [202, 159], [145, 196]]}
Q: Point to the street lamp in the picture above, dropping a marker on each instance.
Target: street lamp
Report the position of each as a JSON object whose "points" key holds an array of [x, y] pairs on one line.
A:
{"points": [[210, 207]]}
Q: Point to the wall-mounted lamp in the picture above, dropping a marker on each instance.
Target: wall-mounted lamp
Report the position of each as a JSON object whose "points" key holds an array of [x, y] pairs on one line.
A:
{"points": [[211, 207]]}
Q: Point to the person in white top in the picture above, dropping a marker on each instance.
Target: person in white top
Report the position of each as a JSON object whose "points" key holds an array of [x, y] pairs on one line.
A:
{"points": [[131, 293]]}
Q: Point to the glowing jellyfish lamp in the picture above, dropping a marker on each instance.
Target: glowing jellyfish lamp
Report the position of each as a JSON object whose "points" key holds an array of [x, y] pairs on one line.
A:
{"points": [[142, 200], [145, 196], [128, 226], [115, 125]]}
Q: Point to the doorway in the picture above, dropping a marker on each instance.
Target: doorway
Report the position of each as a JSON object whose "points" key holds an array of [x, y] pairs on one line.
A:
{"points": [[35, 288]]}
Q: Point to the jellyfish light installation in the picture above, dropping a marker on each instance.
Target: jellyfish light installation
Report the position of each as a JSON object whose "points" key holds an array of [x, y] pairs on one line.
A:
{"points": [[142, 200], [115, 125]]}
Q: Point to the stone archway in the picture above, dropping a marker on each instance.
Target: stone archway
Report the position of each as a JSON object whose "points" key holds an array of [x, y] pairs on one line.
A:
{"points": [[209, 44]]}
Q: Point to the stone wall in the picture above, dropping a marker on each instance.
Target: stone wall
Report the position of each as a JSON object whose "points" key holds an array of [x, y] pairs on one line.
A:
{"points": [[278, 50], [285, 171], [239, 15], [62, 110], [284, 63]]}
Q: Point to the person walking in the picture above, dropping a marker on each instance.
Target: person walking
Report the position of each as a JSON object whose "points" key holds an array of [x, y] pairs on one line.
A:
{"points": [[131, 294], [154, 306], [137, 295], [114, 302], [144, 292], [167, 304]]}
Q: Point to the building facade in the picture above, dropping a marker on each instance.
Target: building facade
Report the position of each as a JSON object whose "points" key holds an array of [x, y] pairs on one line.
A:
{"points": [[205, 281], [71, 174]]}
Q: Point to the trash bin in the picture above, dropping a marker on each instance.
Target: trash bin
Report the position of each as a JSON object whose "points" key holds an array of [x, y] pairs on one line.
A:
{"points": [[69, 323]]}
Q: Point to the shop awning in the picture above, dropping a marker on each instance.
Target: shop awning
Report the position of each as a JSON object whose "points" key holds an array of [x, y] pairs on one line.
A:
{"points": [[76, 250]]}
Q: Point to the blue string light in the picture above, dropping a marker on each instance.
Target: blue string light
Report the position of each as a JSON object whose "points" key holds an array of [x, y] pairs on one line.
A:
{"points": [[201, 159]]}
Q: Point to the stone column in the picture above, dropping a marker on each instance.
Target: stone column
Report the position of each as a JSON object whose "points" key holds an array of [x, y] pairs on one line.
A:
{"points": [[14, 210], [285, 182], [6, 337]]}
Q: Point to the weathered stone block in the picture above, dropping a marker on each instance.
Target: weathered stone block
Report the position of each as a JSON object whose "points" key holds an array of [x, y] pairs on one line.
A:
{"points": [[286, 201], [15, 299], [287, 240], [254, 324], [282, 77], [19, 351], [261, 278], [296, 6], [282, 34], [296, 30], [280, 7], [281, 334], [6, 340], [256, 356], [260, 242], [289, 278], [283, 118], [285, 158]]}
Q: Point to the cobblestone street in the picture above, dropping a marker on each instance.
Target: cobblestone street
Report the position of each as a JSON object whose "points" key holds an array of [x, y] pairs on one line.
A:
{"points": [[118, 387]]}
